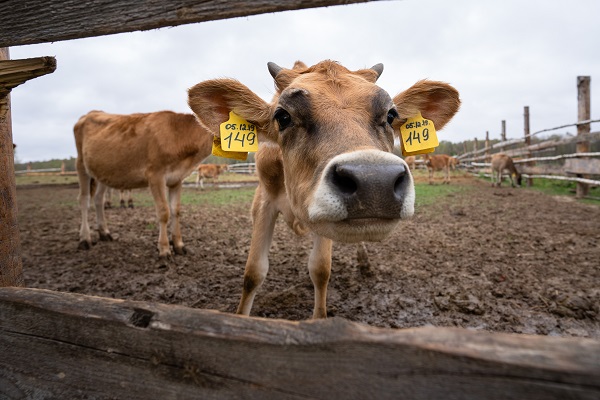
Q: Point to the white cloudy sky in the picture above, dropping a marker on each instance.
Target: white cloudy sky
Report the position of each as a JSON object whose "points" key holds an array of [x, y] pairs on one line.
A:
{"points": [[500, 55]]}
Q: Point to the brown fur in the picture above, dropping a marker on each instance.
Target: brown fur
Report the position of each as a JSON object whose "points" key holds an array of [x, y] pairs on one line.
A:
{"points": [[438, 162], [336, 111], [156, 150], [500, 163]]}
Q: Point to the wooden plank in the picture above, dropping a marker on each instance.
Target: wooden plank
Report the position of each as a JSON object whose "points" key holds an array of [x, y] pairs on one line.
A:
{"points": [[590, 166], [60, 345], [16, 72], [38, 21]]}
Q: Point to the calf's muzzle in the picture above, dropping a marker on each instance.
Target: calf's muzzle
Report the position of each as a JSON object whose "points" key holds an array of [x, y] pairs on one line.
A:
{"points": [[370, 190]]}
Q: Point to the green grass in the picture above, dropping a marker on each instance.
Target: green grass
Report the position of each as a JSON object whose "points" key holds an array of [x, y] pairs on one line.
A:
{"points": [[212, 197], [426, 194], [554, 187], [45, 179]]}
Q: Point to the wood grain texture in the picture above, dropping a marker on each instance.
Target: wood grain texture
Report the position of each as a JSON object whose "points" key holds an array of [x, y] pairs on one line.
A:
{"points": [[16, 72], [59, 345], [38, 21]]}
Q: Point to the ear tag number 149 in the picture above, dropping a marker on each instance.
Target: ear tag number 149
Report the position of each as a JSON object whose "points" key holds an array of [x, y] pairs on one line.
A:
{"points": [[418, 136], [237, 134]]}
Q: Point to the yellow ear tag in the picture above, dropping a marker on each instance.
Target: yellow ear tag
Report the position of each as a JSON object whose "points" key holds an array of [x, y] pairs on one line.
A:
{"points": [[418, 136], [218, 151], [238, 135]]}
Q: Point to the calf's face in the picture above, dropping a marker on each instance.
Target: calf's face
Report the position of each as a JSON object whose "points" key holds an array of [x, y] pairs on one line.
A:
{"points": [[336, 132]]}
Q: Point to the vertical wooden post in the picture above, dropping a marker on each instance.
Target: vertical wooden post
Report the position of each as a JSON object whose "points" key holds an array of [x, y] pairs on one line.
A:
{"points": [[475, 146], [527, 140], [465, 147], [503, 133], [487, 146], [583, 114], [11, 269]]}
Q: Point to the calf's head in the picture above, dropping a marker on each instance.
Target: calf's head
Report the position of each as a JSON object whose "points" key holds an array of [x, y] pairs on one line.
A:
{"points": [[336, 132]]}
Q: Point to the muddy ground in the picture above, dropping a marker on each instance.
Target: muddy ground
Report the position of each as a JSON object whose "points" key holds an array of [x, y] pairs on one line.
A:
{"points": [[504, 260]]}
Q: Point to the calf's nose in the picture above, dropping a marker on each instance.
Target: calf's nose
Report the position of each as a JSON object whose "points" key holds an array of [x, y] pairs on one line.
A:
{"points": [[371, 190]]}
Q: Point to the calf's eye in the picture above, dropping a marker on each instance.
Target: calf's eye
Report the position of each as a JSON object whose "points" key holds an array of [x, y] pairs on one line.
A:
{"points": [[283, 118], [391, 116]]}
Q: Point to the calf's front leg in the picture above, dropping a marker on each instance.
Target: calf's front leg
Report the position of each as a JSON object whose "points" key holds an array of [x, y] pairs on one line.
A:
{"points": [[319, 268], [264, 215]]}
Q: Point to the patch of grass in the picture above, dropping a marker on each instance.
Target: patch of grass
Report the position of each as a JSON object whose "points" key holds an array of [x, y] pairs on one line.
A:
{"points": [[212, 197], [427, 194], [47, 179], [562, 188]]}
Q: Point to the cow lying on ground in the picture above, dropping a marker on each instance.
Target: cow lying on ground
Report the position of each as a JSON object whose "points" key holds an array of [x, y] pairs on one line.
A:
{"points": [[438, 162], [123, 195], [325, 158], [156, 150], [209, 171], [500, 163]]}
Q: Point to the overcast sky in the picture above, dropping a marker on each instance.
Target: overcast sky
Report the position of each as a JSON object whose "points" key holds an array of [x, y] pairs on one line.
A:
{"points": [[500, 55]]}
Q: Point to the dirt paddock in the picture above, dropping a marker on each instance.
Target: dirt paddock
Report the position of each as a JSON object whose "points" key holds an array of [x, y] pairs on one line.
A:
{"points": [[504, 260]]}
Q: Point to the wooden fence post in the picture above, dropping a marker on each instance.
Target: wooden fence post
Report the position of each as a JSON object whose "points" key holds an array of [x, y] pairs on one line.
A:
{"points": [[487, 146], [475, 146], [527, 141], [503, 133], [11, 268], [12, 74], [583, 114]]}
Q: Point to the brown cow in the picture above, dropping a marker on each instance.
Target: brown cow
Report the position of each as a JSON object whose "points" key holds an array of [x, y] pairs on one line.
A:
{"points": [[211, 171], [156, 150], [501, 162], [325, 158], [438, 162]]}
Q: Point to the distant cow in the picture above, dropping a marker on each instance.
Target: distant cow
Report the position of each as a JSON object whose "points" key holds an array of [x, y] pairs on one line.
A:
{"points": [[410, 161], [209, 171], [325, 158], [501, 162], [438, 162], [156, 150]]}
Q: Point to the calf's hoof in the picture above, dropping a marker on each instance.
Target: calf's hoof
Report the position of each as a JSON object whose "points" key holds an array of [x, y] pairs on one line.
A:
{"points": [[105, 237], [84, 245], [180, 251]]}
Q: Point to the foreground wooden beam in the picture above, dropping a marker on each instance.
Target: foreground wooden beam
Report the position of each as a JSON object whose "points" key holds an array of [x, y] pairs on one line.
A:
{"points": [[39, 21], [59, 345]]}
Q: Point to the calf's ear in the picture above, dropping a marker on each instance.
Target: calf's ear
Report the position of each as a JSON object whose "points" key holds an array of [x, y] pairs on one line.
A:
{"points": [[437, 101], [211, 101]]}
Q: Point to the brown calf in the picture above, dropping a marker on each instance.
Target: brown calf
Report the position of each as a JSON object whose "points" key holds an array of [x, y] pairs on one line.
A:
{"points": [[325, 159], [501, 162], [156, 150], [209, 171], [438, 162]]}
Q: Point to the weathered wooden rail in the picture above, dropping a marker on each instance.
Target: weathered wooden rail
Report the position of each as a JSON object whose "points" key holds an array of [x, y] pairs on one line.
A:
{"points": [[67, 346], [60, 345]]}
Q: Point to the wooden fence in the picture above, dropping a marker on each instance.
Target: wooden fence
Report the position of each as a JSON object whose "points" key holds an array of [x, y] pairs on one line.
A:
{"points": [[67, 346], [532, 160]]}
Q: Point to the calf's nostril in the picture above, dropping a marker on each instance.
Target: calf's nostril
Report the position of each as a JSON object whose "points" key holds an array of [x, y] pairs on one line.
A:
{"points": [[399, 182], [345, 179]]}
